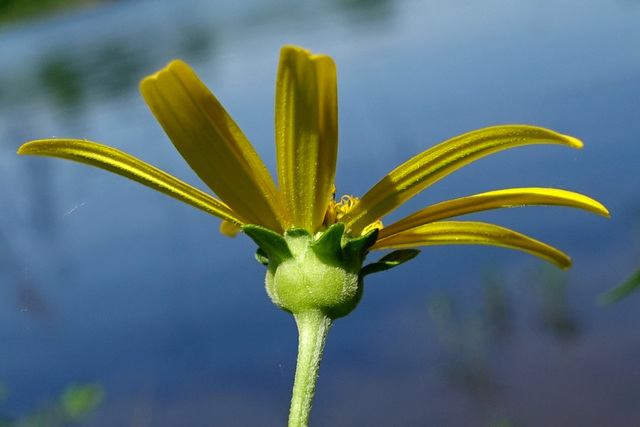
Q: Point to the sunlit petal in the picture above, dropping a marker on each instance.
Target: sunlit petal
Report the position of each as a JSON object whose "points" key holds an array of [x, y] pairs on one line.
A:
{"points": [[475, 233], [508, 198], [213, 145], [426, 168], [116, 161], [306, 134], [230, 229]]}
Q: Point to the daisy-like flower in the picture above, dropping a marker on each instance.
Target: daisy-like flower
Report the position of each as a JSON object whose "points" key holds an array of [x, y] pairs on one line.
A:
{"points": [[313, 245]]}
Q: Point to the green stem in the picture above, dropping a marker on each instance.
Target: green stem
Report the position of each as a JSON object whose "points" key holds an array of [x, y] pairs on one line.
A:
{"points": [[313, 327]]}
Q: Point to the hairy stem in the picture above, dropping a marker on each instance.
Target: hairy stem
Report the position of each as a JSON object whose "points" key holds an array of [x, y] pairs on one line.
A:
{"points": [[313, 327]]}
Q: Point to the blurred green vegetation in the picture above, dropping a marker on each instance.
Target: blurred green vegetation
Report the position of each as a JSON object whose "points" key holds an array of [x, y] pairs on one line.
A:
{"points": [[14, 10], [476, 334], [75, 406], [77, 76], [554, 314], [468, 331], [632, 284]]}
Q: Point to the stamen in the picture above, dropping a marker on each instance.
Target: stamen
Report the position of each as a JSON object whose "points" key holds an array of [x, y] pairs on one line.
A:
{"points": [[336, 210]]}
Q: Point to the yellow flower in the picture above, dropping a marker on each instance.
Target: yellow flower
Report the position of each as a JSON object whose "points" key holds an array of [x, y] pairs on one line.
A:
{"points": [[313, 245], [306, 148]]}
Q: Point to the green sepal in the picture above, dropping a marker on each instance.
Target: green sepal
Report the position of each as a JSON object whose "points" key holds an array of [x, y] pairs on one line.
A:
{"points": [[273, 245], [262, 257], [390, 260], [297, 232], [360, 245], [328, 245]]}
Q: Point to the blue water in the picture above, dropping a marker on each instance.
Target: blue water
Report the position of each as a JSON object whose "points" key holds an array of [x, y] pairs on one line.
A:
{"points": [[104, 280]]}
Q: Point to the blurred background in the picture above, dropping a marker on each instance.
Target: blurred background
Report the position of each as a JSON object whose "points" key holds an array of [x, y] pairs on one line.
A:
{"points": [[135, 306]]}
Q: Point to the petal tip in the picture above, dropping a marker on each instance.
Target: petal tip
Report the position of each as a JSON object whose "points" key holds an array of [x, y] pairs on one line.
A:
{"points": [[604, 212], [294, 49], [177, 65], [31, 147], [24, 149], [574, 142], [297, 51], [564, 263]]}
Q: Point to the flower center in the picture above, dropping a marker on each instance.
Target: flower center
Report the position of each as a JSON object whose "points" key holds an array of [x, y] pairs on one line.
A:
{"points": [[337, 209]]}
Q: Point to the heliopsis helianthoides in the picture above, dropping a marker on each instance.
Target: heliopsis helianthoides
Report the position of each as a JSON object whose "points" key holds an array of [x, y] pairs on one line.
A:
{"points": [[313, 244]]}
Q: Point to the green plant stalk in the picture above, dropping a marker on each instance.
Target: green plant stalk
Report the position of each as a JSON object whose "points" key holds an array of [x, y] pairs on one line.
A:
{"points": [[317, 278], [313, 327]]}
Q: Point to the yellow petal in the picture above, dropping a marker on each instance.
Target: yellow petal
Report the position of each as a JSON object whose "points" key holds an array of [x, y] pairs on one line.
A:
{"points": [[116, 161], [474, 233], [426, 168], [306, 134], [230, 229], [213, 145], [508, 198]]}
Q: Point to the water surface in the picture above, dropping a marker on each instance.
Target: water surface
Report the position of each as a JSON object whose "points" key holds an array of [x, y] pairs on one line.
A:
{"points": [[103, 280]]}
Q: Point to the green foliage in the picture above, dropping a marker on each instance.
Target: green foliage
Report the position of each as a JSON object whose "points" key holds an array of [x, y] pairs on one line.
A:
{"points": [[74, 406], [622, 290], [556, 316], [13, 10], [78, 401], [63, 78]]}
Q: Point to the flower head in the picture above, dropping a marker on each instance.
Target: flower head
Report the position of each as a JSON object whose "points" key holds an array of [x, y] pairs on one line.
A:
{"points": [[306, 122], [313, 245]]}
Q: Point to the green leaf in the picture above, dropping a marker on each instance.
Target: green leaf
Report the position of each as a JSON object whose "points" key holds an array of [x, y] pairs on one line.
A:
{"points": [[621, 291], [392, 259]]}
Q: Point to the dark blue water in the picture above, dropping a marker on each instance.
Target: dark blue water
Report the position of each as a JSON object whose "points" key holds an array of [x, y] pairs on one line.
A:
{"points": [[104, 280]]}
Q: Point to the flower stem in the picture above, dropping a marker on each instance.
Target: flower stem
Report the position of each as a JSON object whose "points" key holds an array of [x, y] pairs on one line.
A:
{"points": [[313, 327]]}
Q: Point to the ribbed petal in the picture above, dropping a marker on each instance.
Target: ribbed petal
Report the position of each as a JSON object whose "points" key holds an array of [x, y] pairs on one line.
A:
{"points": [[512, 197], [426, 168], [116, 161], [474, 233], [213, 145], [306, 134]]}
